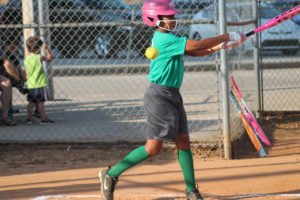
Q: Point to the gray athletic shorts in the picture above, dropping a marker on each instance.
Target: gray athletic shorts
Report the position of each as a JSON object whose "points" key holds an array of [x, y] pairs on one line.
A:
{"points": [[166, 117]]}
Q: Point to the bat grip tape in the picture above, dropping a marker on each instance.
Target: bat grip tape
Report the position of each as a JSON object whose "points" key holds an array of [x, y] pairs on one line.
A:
{"points": [[250, 33]]}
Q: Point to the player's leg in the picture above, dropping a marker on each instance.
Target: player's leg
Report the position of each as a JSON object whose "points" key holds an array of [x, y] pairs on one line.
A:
{"points": [[151, 148], [109, 177], [159, 112], [185, 158]]}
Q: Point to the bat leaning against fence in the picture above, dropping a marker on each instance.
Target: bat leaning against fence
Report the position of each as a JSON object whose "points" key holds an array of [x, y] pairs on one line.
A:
{"points": [[250, 116], [276, 20], [251, 133]]}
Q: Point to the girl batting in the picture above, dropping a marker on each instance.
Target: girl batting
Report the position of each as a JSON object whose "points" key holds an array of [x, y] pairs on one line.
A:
{"points": [[166, 117]]}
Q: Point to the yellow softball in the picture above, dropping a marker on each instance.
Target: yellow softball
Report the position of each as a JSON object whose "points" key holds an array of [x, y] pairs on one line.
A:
{"points": [[151, 53]]}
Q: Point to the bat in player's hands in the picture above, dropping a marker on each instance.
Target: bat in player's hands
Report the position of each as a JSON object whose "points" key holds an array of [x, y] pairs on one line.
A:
{"points": [[236, 37], [229, 45], [277, 20]]}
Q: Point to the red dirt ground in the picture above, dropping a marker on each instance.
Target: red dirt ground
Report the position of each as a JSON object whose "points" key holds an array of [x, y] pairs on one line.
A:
{"points": [[70, 172]]}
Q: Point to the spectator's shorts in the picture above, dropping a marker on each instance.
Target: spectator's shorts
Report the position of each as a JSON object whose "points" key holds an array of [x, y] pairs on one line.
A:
{"points": [[37, 95], [166, 117]]}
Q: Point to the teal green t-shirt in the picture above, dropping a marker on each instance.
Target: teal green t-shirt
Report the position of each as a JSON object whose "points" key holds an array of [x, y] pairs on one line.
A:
{"points": [[168, 68], [36, 76]]}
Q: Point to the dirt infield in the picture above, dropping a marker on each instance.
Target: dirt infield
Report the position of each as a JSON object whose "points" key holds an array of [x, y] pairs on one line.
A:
{"points": [[70, 172]]}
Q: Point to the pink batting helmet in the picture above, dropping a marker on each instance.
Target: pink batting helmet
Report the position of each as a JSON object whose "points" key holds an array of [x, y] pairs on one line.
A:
{"points": [[153, 8]]}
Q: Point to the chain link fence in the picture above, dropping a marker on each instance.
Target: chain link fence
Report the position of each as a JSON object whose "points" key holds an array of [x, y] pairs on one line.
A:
{"points": [[273, 86], [241, 61], [98, 75], [279, 60], [280, 85]]}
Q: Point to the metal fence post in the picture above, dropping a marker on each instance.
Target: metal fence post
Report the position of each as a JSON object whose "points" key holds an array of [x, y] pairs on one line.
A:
{"points": [[256, 63], [130, 39], [27, 7], [225, 84], [33, 30], [43, 15]]}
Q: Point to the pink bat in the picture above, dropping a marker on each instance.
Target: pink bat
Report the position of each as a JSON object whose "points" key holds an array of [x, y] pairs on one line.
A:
{"points": [[251, 117], [277, 20]]}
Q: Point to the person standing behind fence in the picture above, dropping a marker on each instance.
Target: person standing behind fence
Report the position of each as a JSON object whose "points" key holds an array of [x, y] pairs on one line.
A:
{"points": [[12, 44], [166, 116], [11, 75], [6, 93], [5, 90], [11, 47], [36, 78]]}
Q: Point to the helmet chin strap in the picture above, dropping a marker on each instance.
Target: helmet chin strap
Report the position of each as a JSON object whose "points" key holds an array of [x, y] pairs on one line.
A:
{"points": [[167, 29]]}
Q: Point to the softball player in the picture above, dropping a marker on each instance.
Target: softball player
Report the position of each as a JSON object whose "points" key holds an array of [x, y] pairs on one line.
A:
{"points": [[166, 117]]}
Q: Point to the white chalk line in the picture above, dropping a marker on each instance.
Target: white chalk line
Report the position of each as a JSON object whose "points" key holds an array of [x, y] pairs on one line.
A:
{"points": [[64, 196], [258, 195]]}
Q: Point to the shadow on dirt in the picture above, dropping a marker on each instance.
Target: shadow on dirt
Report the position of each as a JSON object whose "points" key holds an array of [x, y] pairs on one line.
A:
{"points": [[276, 125], [293, 193]]}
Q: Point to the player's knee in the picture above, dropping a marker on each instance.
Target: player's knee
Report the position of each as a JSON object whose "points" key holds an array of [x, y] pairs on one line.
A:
{"points": [[153, 149], [183, 146], [183, 142], [153, 152]]}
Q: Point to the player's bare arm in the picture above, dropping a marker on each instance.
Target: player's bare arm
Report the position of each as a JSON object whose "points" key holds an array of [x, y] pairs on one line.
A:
{"points": [[203, 52], [193, 45]]}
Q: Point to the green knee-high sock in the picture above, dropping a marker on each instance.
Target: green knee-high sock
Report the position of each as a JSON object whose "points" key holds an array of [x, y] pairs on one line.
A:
{"points": [[136, 156], [185, 158]]}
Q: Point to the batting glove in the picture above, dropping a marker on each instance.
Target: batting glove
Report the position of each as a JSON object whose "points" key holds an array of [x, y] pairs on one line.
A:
{"points": [[237, 36], [229, 45]]}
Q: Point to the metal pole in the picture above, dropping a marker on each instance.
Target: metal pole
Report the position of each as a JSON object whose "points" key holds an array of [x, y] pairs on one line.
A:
{"points": [[225, 84], [130, 40], [47, 68], [260, 60], [256, 63], [217, 60], [27, 11], [33, 31]]}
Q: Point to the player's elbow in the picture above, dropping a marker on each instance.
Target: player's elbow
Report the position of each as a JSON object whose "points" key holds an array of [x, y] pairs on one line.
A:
{"points": [[199, 45], [192, 45], [191, 53]]}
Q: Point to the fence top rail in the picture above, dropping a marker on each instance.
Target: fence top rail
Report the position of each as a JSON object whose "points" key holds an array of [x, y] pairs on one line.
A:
{"points": [[94, 24]]}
